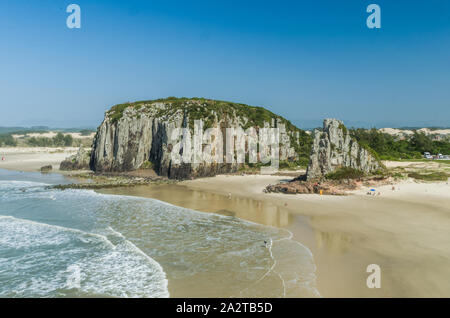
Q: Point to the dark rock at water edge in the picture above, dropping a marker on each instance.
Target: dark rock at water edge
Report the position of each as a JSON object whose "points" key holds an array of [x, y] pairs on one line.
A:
{"points": [[46, 168], [79, 161]]}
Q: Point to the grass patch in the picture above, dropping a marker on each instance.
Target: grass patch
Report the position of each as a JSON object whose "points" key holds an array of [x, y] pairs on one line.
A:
{"points": [[343, 128], [146, 165], [398, 175], [292, 165], [433, 176]]}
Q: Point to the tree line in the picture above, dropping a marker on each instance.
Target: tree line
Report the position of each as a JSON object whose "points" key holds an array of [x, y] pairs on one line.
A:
{"points": [[60, 140], [7, 140], [389, 147]]}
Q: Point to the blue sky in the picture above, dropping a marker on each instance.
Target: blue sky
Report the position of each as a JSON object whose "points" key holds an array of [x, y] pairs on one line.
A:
{"points": [[304, 60]]}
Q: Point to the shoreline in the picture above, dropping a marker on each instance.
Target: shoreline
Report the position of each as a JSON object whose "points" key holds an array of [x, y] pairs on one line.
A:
{"points": [[404, 231]]}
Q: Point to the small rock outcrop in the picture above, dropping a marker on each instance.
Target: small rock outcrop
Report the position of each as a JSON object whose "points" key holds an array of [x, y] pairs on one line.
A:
{"points": [[46, 168], [334, 148], [301, 187], [79, 161], [133, 134]]}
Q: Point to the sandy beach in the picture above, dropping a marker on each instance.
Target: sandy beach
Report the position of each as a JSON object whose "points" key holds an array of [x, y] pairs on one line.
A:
{"points": [[33, 158], [404, 231]]}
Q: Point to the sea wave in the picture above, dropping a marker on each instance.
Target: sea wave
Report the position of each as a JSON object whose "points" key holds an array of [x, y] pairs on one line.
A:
{"points": [[116, 269], [127, 246]]}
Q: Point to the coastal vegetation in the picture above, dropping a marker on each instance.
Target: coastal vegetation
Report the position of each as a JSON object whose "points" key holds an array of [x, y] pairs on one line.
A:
{"points": [[44, 137], [59, 140], [390, 148], [432, 176], [205, 109], [7, 140]]}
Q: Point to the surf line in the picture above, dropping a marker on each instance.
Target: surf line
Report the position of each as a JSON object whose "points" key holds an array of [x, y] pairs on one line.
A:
{"points": [[271, 269]]}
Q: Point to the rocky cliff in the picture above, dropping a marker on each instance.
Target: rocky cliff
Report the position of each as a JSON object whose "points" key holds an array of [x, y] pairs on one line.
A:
{"points": [[133, 135], [334, 148]]}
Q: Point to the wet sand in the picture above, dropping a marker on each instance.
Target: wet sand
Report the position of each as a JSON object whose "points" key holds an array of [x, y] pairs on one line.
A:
{"points": [[405, 232]]}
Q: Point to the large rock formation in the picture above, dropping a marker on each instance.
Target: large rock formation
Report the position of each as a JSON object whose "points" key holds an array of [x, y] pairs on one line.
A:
{"points": [[334, 148], [134, 134]]}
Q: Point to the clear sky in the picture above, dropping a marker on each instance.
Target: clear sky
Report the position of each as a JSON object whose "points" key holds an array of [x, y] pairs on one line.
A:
{"points": [[304, 60]]}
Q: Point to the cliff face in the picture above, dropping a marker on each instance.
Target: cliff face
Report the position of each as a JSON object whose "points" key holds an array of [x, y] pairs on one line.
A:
{"points": [[334, 148], [134, 134]]}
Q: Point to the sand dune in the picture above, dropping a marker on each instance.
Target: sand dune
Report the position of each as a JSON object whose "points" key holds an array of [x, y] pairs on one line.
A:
{"points": [[33, 158], [51, 134]]}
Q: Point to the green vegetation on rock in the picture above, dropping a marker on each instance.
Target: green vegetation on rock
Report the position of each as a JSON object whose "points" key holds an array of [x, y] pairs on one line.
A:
{"points": [[210, 111], [205, 109], [343, 128], [147, 165]]}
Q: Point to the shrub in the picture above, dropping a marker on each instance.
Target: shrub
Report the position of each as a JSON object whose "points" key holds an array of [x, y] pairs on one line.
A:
{"points": [[433, 176], [397, 175], [7, 140], [147, 165], [68, 140], [40, 142], [86, 132], [291, 165]]}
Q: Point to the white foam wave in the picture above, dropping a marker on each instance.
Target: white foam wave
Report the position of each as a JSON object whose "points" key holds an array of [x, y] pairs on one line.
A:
{"points": [[107, 269], [187, 243], [13, 184]]}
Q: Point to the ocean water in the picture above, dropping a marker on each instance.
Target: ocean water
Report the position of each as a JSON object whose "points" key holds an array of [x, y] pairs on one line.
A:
{"points": [[79, 243]]}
